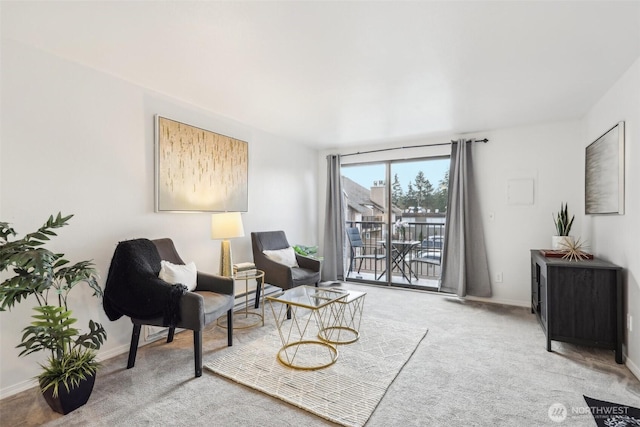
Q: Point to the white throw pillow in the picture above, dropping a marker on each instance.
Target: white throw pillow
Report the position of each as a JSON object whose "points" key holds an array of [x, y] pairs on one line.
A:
{"points": [[286, 256], [177, 273]]}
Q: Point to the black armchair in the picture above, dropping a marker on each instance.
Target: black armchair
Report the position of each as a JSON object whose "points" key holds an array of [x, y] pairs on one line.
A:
{"points": [[133, 289], [308, 272]]}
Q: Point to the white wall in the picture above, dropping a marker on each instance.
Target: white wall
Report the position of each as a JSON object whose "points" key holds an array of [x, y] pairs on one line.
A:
{"points": [[79, 141], [544, 153], [547, 155], [617, 237], [552, 154]]}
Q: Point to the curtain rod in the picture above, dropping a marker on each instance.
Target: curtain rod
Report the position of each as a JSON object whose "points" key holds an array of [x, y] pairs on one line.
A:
{"points": [[485, 140]]}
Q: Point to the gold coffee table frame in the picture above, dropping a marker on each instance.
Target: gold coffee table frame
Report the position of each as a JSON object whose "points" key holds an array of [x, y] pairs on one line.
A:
{"points": [[257, 275], [349, 319], [318, 303]]}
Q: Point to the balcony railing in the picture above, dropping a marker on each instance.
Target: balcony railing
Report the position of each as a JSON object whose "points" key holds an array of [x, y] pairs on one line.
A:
{"points": [[421, 262]]}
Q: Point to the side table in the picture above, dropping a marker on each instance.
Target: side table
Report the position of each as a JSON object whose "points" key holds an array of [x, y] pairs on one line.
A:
{"points": [[345, 328], [241, 316]]}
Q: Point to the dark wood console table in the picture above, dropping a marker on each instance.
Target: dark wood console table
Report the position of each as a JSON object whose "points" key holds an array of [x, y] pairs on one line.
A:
{"points": [[579, 302]]}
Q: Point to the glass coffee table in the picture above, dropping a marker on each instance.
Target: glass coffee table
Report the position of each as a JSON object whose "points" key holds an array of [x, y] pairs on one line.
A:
{"points": [[345, 329], [311, 310]]}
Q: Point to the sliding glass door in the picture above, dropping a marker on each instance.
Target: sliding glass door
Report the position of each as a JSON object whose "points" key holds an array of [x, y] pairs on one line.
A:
{"points": [[395, 221]]}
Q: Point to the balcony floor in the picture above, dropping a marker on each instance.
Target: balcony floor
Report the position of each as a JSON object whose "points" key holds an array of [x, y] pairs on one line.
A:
{"points": [[426, 283]]}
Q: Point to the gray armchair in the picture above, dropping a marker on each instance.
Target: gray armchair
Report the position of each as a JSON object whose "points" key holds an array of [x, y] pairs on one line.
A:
{"points": [[308, 272], [133, 289]]}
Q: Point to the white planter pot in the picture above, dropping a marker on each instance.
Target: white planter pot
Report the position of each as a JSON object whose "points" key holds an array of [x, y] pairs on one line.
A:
{"points": [[559, 243]]}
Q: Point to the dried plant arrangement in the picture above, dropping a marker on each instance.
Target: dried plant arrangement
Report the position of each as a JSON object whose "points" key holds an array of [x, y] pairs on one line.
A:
{"points": [[574, 250]]}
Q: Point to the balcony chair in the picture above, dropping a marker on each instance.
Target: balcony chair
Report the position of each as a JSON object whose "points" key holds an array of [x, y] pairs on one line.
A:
{"points": [[134, 289], [359, 251], [307, 271]]}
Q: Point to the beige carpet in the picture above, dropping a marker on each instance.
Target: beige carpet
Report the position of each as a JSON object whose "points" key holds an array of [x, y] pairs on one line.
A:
{"points": [[346, 392], [479, 365]]}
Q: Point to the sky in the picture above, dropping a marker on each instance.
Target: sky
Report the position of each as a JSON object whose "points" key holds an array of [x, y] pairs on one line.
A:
{"points": [[365, 175]]}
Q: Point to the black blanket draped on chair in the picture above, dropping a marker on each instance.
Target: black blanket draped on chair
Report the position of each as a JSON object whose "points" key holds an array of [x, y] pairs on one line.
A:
{"points": [[134, 289]]}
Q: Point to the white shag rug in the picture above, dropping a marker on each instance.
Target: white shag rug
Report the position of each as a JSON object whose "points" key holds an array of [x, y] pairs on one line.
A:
{"points": [[346, 392]]}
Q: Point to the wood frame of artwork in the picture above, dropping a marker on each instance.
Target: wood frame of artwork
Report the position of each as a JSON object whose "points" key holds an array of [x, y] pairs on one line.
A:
{"points": [[604, 173], [198, 170]]}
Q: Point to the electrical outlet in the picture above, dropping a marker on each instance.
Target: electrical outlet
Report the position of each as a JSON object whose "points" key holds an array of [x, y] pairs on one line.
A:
{"points": [[499, 277]]}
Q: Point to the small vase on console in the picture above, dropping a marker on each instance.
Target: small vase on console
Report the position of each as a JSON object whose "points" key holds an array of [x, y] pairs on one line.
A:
{"points": [[559, 243]]}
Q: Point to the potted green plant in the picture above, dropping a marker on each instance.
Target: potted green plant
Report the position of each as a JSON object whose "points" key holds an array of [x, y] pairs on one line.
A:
{"points": [[563, 227], [67, 378]]}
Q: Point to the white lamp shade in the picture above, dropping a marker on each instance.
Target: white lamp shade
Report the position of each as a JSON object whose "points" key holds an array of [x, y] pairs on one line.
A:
{"points": [[226, 225]]}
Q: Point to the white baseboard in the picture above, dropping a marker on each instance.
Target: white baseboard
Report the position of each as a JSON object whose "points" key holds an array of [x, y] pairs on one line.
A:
{"points": [[502, 301], [31, 383], [116, 351], [18, 388], [635, 370], [101, 357]]}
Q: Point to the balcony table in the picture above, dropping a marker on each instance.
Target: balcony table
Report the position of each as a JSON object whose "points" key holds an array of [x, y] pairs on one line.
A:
{"points": [[399, 252]]}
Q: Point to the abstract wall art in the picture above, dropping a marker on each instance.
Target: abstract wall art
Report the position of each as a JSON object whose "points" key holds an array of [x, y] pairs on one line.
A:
{"points": [[199, 170], [604, 173]]}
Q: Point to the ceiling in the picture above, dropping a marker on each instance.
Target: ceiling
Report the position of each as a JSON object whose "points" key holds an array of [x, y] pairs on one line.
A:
{"points": [[333, 74]]}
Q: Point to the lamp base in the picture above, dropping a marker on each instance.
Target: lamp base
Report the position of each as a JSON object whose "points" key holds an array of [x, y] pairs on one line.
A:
{"points": [[226, 263]]}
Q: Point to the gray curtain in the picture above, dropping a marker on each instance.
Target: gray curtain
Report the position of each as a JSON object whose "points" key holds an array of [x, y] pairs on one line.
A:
{"points": [[334, 232], [465, 270]]}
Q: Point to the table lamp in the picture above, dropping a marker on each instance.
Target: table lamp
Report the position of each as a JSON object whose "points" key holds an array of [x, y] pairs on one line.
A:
{"points": [[226, 226]]}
